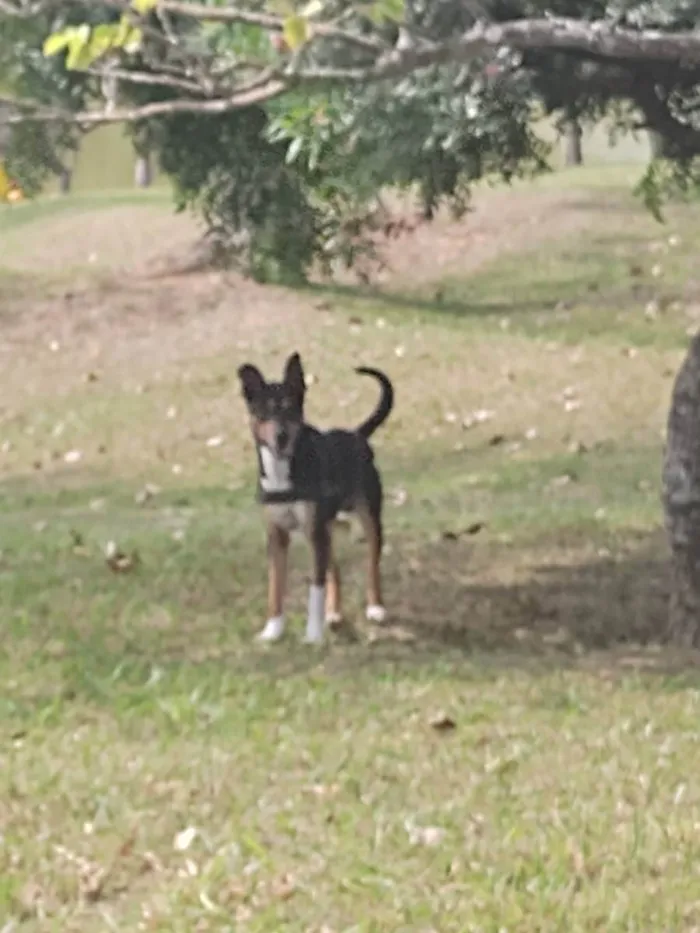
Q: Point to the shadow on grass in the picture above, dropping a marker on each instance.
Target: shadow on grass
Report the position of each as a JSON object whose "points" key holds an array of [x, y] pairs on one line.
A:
{"points": [[579, 606], [602, 613], [605, 271], [554, 614]]}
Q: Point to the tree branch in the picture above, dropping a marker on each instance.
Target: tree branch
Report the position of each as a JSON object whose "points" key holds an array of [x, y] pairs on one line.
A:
{"points": [[598, 41], [683, 138]]}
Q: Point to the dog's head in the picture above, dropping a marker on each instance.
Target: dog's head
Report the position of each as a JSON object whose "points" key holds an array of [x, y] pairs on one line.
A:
{"points": [[276, 409]]}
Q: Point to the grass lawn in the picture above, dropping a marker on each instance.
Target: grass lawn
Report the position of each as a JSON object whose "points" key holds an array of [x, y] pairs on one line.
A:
{"points": [[161, 772]]}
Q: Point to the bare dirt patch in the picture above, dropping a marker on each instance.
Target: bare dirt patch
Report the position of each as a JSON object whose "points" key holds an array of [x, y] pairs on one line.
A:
{"points": [[109, 315], [502, 221], [117, 239]]}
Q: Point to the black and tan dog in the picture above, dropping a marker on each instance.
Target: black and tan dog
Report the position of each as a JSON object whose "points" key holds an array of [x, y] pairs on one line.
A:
{"points": [[306, 477]]}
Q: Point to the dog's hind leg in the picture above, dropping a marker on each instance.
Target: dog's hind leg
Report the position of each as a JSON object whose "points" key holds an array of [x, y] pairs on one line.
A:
{"points": [[370, 517], [277, 550], [334, 613]]}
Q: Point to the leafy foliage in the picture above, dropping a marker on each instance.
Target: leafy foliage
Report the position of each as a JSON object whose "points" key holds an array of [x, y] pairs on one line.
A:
{"points": [[300, 180], [253, 203]]}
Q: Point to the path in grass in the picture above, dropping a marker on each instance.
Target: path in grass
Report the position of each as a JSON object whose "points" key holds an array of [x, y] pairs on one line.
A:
{"points": [[161, 773]]}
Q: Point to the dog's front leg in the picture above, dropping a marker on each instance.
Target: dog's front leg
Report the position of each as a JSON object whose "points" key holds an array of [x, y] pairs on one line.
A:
{"points": [[320, 548], [277, 549]]}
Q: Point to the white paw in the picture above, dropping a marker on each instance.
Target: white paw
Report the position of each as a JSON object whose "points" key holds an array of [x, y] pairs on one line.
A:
{"points": [[376, 613], [334, 618], [273, 631]]}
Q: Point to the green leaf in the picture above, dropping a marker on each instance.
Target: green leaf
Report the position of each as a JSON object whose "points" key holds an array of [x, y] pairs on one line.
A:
{"points": [[382, 11], [295, 31], [144, 6], [294, 149]]}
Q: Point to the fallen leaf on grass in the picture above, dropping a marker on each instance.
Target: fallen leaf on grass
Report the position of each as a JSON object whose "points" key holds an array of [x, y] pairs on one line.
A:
{"points": [[559, 637], [424, 835], [472, 529], [31, 898], [184, 839], [399, 496], [78, 543], [563, 480], [390, 633], [91, 876], [477, 417], [496, 440], [148, 492], [283, 888], [443, 723]]}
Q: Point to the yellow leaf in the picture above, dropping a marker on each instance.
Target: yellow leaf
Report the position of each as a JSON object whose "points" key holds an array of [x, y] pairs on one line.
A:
{"points": [[103, 39], [133, 41], [144, 6], [295, 31], [57, 42], [312, 8]]}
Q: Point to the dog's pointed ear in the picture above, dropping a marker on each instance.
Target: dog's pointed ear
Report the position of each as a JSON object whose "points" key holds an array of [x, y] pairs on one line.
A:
{"points": [[252, 381], [294, 376]]}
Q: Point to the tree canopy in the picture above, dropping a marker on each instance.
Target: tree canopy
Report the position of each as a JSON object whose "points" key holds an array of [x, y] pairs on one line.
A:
{"points": [[319, 104]]}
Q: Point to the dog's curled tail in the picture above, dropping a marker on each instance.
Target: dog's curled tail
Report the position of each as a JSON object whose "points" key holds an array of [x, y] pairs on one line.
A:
{"points": [[386, 402]]}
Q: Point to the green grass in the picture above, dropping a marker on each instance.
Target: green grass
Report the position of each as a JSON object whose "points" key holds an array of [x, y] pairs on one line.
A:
{"points": [[159, 771]]}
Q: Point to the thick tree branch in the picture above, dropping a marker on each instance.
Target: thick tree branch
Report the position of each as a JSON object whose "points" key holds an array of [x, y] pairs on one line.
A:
{"points": [[682, 139], [598, 41]]}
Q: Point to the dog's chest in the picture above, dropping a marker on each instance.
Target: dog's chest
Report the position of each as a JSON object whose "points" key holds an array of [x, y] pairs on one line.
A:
{"points": [[290, 516]]}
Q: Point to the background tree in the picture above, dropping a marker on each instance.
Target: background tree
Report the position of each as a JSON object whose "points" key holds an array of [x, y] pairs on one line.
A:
{"points": [[37, 150]]}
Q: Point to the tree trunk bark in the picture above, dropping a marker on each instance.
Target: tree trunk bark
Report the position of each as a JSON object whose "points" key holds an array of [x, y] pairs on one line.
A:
{"points": [[65, 180], [143, 171], [657, 145], [573, 154], [5, 128], [681, 499]]}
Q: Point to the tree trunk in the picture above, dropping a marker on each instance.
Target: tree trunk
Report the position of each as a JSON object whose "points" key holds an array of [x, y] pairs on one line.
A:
{"points": [[65, 180], [681, 499], [657, 145], [573, 154], [143, 171]]}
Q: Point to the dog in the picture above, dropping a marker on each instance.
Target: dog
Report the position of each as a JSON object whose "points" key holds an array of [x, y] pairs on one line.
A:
{"points": [[305, 478]]}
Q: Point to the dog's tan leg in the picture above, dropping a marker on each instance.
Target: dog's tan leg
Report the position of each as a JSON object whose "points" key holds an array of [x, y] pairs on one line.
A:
{"points": [[277, 550], [371, 525]]}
